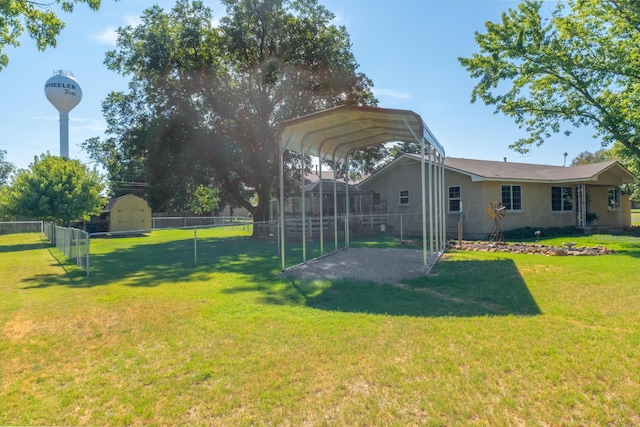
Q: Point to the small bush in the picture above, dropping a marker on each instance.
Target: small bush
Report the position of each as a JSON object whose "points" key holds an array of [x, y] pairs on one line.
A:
{"points": [[527, 233]]}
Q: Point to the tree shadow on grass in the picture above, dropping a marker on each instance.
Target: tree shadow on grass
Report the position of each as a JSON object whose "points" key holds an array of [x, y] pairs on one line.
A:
{"points": [[456, 289], [630, 248], [22, 247], [140, 263]]}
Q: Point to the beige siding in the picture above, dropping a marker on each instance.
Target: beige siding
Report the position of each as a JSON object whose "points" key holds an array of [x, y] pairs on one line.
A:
{"points": [[535, 212], [625, 215], [405, 218]]}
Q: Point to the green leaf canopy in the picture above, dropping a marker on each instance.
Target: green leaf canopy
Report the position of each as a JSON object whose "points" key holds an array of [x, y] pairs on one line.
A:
{"points": [[205, 100], [576, 67], [55, 189]]}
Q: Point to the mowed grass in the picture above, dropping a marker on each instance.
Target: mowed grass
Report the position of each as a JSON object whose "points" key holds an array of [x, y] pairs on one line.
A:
{"points": [[488, 339], [635, 216]]}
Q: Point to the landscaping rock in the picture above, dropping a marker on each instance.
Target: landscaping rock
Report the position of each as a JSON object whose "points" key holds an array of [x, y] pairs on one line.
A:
{"points": [[526, 248]]}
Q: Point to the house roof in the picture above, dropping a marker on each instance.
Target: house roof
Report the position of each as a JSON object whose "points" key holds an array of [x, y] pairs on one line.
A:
{"points": [[333, 134], [487, 170], [327, 187], [328, 176]]}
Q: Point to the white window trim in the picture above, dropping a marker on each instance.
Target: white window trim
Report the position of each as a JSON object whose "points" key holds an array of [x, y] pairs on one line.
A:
{"points": [[511, 194], [563, 210], [617, 192], [400, 197], [449, 199]]}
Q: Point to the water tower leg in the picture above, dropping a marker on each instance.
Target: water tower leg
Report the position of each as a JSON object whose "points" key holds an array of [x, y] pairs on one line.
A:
{"points": [[64, 135]]}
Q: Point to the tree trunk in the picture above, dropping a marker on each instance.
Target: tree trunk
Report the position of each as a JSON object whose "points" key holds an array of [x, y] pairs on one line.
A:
{"points": [[260, 214]]}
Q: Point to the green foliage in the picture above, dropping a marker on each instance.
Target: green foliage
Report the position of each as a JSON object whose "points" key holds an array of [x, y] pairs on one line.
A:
{"points": [[54, 189], [6, 169], [620, 153], [4, 194], [204, 200], [577, 67], [591, 217], [529, 233], [587, 157], [39, 19], [632, 163], [205, 102]]}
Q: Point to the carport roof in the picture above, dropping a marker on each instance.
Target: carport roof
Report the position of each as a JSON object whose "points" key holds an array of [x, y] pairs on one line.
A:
{"points": [[333, 134]]}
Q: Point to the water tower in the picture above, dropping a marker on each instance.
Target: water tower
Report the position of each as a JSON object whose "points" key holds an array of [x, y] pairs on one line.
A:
{"points": [[64, 92]]}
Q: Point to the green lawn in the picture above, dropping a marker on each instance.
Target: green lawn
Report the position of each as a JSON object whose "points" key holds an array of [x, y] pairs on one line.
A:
{"points": [[635, 216], [488, 339]]}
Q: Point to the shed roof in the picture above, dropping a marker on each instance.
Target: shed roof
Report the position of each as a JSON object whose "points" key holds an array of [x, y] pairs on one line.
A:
{"points": [[113, 202], [333, 134]]}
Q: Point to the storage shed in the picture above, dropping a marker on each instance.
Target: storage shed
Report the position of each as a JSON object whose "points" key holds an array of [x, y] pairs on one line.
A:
{"points": [[127, 213]]}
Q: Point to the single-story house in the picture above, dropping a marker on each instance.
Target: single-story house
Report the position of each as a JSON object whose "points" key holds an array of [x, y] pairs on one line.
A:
{"points": [[533, 195], [360, 200]]}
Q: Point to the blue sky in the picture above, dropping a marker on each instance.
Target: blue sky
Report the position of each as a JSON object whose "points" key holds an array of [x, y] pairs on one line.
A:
{"points": [[409, 48]]}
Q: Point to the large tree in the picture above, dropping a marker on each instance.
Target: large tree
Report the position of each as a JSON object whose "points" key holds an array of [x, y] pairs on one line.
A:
{"points": [[616, 152], [577, 66], [38, 18], [54, 189], [6, 168], [205, 102]]}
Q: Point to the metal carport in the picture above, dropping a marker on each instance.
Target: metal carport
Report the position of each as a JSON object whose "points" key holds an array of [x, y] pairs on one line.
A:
{"points": [[334, 134]]}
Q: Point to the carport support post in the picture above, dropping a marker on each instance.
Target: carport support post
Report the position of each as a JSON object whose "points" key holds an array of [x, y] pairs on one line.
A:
{"points": [[321, 209], [335, 205], [424, 204], [424, 196], [443, 210], [346, 203], [304, 212], [282, 250]]}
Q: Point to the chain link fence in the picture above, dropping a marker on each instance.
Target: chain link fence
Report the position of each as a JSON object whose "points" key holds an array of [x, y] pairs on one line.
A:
{"points": [[72, 242], [166, 250], [168, 247], [196, 221], [13, 227]]}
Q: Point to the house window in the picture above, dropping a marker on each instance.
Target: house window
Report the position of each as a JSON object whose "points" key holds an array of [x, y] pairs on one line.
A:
{"points": [[376, 198], [404, 197], [614, 198], [512, 197], [454, 199], [561, 199]]}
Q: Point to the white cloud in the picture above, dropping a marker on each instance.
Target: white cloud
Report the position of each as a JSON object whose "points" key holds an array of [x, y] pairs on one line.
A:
{"points": [[107, 36], [391, 93], [88, 124], [132, 20]]}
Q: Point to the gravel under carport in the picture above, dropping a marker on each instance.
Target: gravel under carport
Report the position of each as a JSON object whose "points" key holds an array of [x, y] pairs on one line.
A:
{"points": [[363, 264]]}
